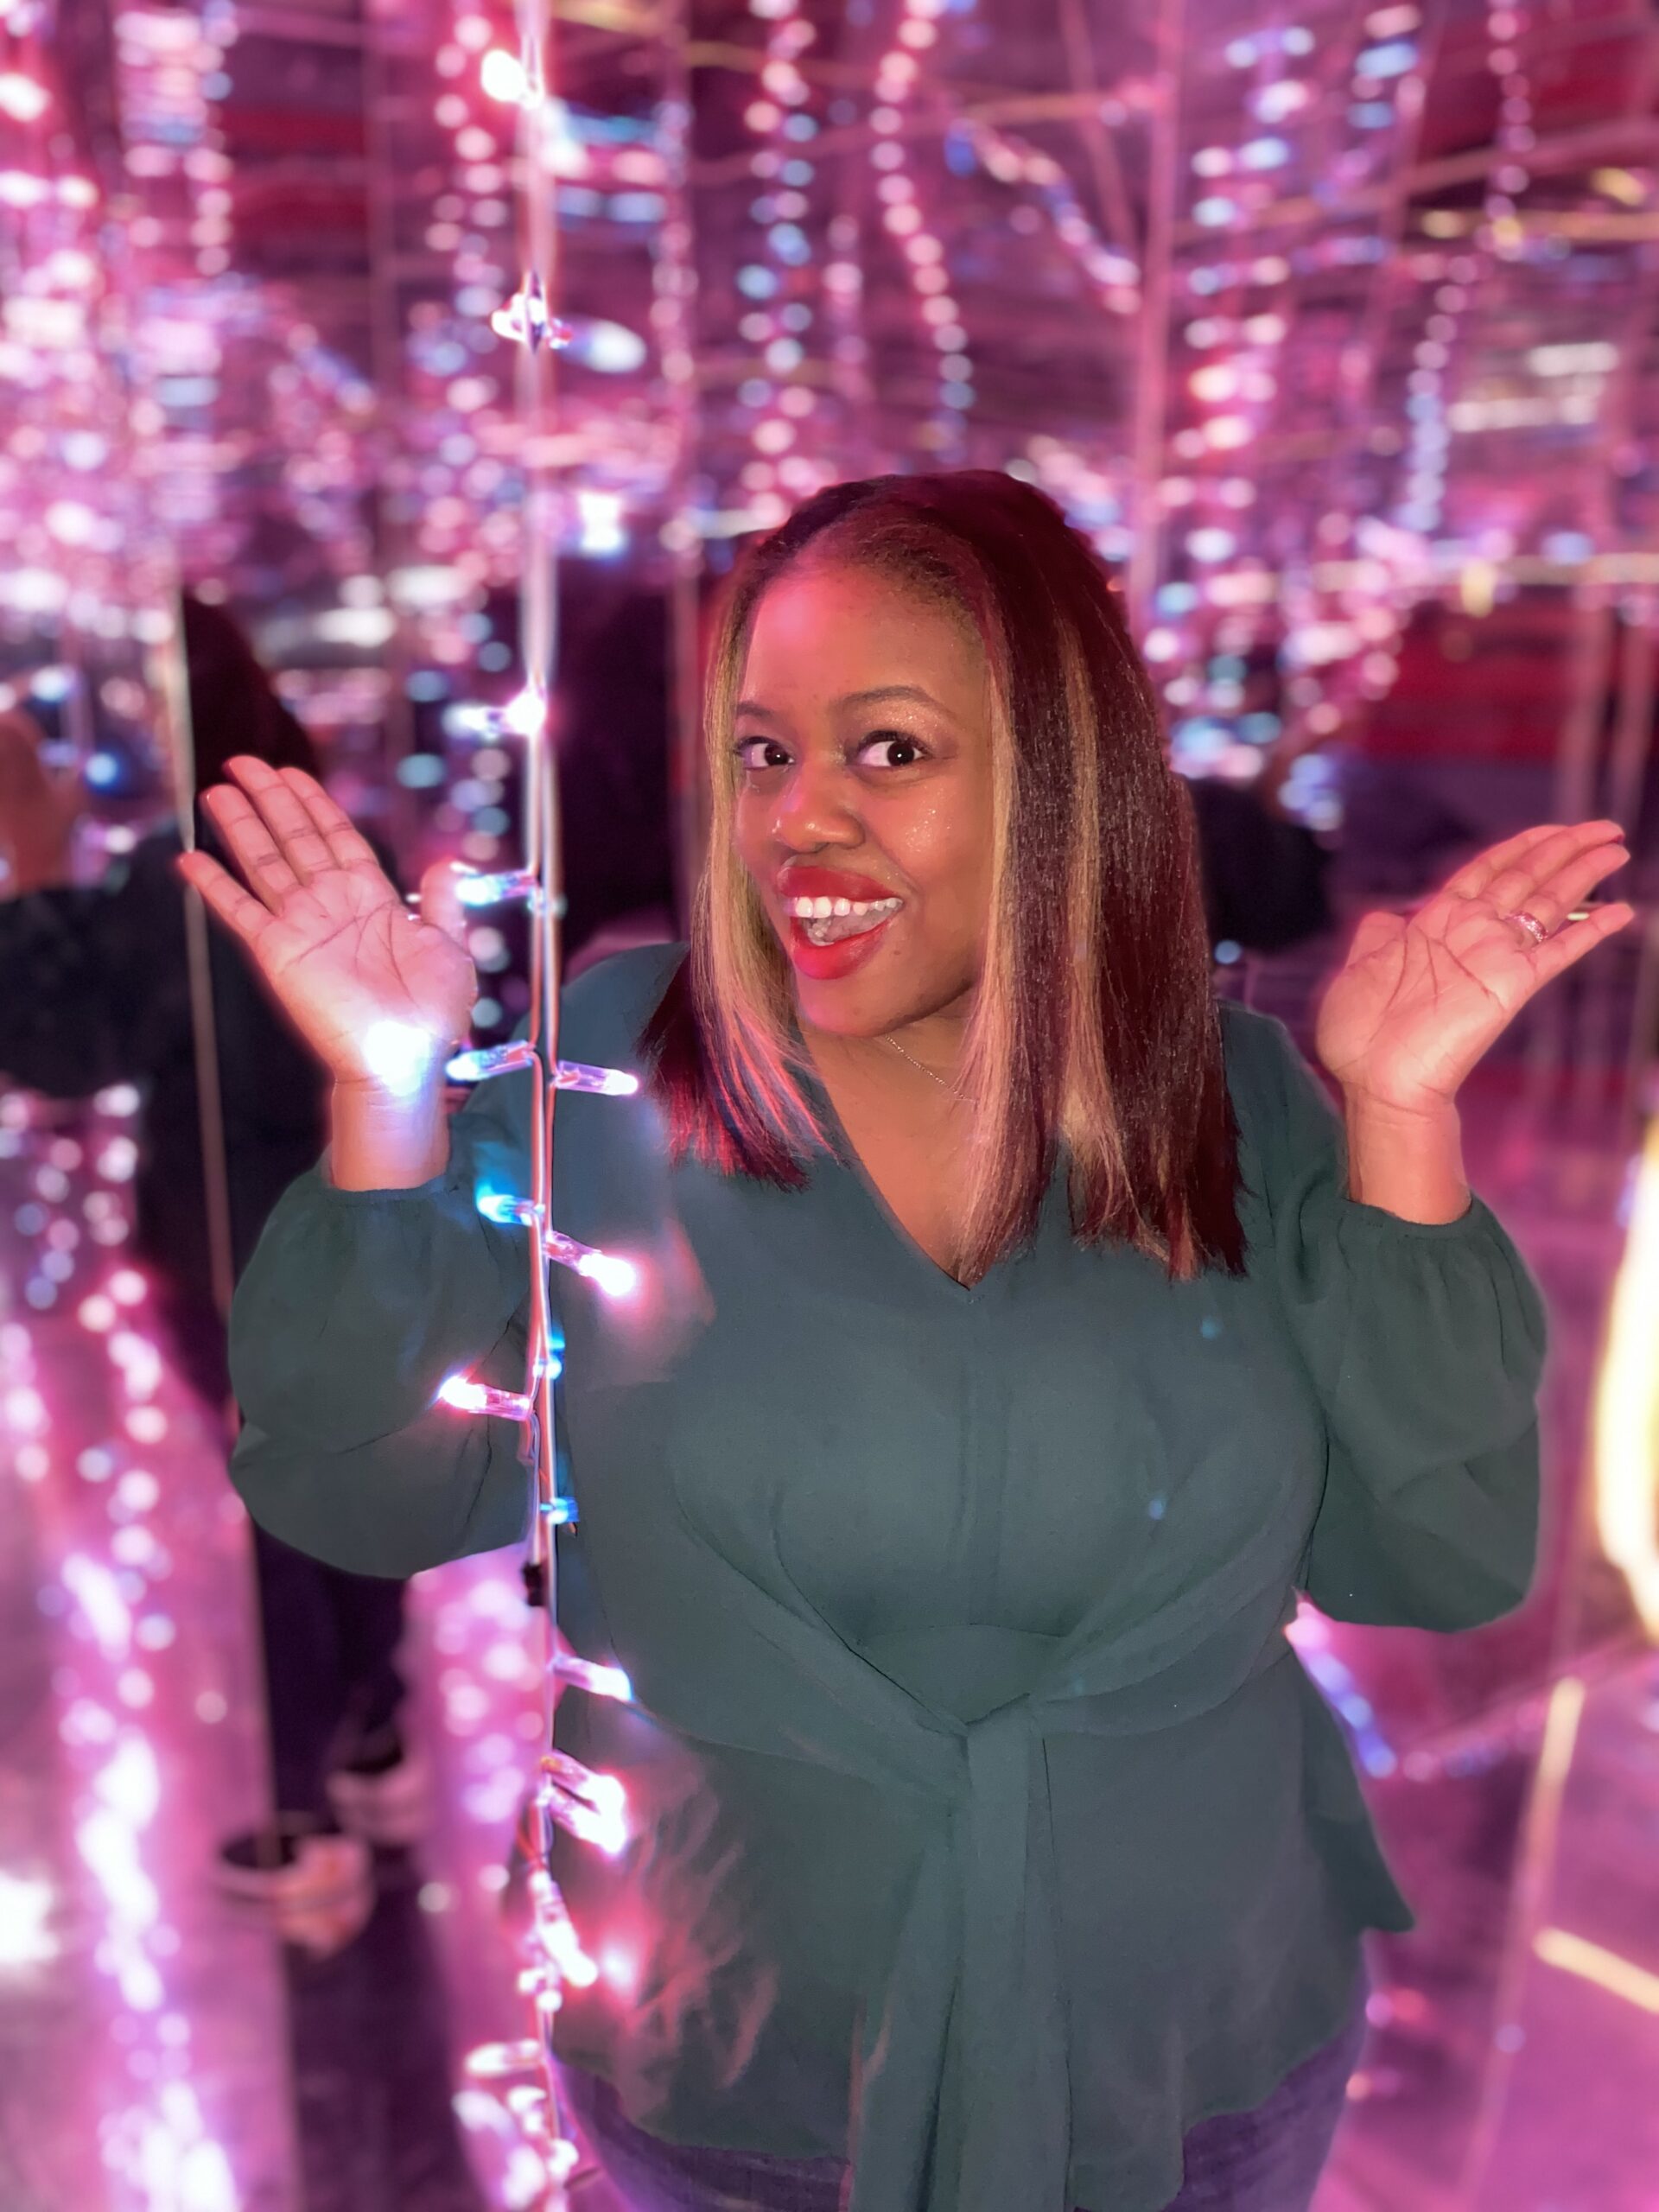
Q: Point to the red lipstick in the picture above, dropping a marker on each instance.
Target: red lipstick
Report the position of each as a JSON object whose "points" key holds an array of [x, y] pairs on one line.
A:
{"points": [[806, 880], [827, 964]]}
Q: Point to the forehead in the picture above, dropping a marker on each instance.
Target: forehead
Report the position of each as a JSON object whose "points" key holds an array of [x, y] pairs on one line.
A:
{"points": [[821, 629]]}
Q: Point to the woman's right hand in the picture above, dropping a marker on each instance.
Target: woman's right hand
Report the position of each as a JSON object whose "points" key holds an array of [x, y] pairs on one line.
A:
{"points": [[380, 994]]}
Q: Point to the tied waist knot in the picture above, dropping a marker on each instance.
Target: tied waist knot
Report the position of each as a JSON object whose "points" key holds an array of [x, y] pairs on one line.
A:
{"points": [[961, 2096], [974, 2000], [963, 2099]]}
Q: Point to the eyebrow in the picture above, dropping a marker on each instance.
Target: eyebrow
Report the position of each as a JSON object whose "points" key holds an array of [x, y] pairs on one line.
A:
{"points": [[855, 698]]}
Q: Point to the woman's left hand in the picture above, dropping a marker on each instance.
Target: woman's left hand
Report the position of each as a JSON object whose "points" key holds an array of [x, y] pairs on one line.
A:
{"points": [[1421, 996]]}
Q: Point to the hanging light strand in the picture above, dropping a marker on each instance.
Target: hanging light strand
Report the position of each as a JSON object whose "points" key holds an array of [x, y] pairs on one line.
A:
{"points": [[897, 73], [522, 2074]]}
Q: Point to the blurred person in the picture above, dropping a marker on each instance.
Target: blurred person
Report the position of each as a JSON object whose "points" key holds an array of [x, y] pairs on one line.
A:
{"points": [[613, 754], [95, 990], [1263, 873], [1017, 1332]]}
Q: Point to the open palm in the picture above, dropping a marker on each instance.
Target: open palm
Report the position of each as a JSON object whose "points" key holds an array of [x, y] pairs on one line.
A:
{"points": [[1421, 996], [375, 992]]}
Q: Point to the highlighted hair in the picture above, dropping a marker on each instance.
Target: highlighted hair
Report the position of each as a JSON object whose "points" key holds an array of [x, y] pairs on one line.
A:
{"points": [[1094, 1040]]}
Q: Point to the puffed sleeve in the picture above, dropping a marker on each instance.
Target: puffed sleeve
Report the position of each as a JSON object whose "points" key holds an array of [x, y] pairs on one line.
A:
{"points": [[1425, 1343], [357, 1305], [355, 1308]]}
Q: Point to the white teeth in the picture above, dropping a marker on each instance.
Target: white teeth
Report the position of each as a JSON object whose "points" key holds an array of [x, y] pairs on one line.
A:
{"points": [[828, 921], [823, 910]]}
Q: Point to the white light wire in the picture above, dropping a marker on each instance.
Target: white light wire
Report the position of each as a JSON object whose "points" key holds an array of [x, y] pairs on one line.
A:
{"points": [[522, 2073]]}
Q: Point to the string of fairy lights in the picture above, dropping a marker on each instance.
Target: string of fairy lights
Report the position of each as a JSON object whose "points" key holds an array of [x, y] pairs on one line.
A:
{"points": [[897, 75], [1320, 618], [591, 1806], [1114, 277], [782, 287]]}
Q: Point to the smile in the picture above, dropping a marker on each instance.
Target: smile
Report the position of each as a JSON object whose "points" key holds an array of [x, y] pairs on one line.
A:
{"points": [[832, 921]]}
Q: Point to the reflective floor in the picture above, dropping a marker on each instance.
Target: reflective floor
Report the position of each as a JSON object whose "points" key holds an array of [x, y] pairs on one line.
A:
{"points": [[160, 2050]]}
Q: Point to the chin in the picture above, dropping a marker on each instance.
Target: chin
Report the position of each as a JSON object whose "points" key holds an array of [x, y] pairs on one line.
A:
{"points": [[872, 1002], [843, 1010]]}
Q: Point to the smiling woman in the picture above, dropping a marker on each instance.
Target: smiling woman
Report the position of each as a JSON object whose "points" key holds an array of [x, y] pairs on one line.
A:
{"points": [[1014, 1338], [1033, 929]]}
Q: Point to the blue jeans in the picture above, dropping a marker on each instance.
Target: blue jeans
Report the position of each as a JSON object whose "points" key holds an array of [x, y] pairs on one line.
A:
{"points": [[1266, 2160]]}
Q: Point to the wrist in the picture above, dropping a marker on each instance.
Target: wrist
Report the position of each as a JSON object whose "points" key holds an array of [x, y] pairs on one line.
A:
{"points": [[373, 1094], [1421, 1115], [1406, 1159], [386, 1141]]}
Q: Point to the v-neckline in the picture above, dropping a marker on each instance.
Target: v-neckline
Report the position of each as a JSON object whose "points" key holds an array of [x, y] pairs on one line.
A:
{"points": [[847, 1157]]}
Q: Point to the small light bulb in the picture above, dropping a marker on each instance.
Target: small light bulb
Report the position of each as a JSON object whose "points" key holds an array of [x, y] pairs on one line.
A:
{"points": [[526, 714], [616, 1278], [502, 76]]}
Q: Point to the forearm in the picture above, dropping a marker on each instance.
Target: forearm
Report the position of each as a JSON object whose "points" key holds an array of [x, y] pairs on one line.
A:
{"points": [[1409, 1164], [434, 1490], [381, 1142]]}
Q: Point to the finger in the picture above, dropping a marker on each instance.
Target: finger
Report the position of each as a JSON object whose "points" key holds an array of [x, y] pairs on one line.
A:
{"points": [[441, 899], [1532, 870], [302, 844], [1473, 879], [235, 908], [349, 847], [1560, 952], [250, 844], [1554, 900]]}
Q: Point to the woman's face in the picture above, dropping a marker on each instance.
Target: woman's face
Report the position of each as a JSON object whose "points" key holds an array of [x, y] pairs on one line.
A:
{"points": [[864, 804]]}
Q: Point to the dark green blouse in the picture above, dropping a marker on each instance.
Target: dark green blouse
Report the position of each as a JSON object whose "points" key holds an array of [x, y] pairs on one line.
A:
{"points": [[986, 1829]]}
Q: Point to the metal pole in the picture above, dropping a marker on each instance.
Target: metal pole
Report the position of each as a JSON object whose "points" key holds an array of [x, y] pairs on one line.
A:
{"points": [[1117, 218], [676, 292], [1632, 742], [1151, 399], [386, 356], [1575, 786]]}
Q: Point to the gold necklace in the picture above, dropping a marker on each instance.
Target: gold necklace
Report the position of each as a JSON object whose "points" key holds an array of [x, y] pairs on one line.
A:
{"points": [[932, 1073]]}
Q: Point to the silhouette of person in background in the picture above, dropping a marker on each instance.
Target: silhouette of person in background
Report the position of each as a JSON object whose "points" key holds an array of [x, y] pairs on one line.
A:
{"points": [[95, 990], [613, 778]]}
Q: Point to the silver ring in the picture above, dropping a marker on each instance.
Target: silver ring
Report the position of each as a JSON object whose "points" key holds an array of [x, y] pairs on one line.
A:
{"points": [[1534, 928]]}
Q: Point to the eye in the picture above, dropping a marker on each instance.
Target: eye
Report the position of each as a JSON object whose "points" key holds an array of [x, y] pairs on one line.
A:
{"points": [[893, 748], [755, 753]]}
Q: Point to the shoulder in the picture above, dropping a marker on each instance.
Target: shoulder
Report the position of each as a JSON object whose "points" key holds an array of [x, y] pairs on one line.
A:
{"points": [[1281, 1104], [1257, 1050], [603, 1013]]}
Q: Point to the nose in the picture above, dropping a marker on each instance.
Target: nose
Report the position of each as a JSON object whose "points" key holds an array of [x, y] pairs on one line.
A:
{"points": [[814, 809]]}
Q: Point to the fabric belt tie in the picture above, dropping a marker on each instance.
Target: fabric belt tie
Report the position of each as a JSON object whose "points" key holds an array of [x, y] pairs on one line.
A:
{"points": [[974, 2001], [959, 2100], [971, 2032]]}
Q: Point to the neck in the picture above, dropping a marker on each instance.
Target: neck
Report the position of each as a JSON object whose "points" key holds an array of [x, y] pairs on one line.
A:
{"points": [[934, 1041]]}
